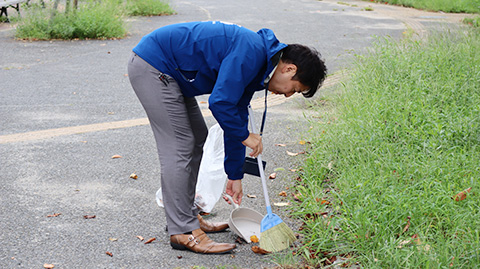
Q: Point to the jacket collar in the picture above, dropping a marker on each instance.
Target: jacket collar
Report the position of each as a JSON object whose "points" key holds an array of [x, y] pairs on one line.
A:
{"points": [[273, 48]]}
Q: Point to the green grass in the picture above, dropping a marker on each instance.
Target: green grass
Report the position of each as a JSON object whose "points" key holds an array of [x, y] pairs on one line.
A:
{"points": [[455, 6], [475, 22], [92, 20], [148, 8], [405, 138]]}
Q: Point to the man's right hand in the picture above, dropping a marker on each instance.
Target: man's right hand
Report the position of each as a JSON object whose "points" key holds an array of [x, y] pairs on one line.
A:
{"points": [[234, 189], [254, 141]]}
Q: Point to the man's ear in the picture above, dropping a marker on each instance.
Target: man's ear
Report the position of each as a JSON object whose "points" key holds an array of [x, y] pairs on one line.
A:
{"points": [[289, 68]]}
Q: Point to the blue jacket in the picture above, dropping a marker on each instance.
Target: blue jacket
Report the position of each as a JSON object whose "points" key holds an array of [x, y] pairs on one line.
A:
{"points": [[227, 61]]}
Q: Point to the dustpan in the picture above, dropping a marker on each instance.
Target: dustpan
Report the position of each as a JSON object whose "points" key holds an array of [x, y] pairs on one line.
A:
{"points": [[244, 222]]}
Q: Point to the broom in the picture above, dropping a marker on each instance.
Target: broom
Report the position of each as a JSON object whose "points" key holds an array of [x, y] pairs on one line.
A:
{"points": [[275, 235]]}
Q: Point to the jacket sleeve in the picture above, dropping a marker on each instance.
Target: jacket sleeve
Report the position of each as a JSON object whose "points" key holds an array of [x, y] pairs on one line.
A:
{"points": [[238, 69], [228, 101]]}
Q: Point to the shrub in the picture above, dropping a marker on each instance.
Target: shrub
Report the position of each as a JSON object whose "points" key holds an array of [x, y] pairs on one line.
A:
{"points": [[92, 19], [99, 20], [147, 8]]}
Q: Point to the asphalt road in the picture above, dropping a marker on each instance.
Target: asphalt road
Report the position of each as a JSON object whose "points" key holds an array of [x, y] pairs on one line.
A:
{"points": [[66, 107]]}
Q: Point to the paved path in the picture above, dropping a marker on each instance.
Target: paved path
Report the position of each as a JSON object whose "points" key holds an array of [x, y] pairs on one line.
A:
{"points": [[66, 107]]}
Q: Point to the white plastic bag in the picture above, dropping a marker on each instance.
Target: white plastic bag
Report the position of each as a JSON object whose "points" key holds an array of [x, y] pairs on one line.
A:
{"points": [[211, 176]]}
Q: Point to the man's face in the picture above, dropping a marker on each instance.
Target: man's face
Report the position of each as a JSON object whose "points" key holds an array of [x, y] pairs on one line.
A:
{"points": [[282, 83]]}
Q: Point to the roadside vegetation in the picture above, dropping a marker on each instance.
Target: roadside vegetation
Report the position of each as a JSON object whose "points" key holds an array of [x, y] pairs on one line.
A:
{"points": [[464, 6], [475, 22], [392, 175], [148, 8], [83, 20], [449, 6]]}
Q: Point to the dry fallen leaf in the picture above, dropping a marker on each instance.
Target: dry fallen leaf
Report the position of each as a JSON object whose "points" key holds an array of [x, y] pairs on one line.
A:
{"points": [[324, 202], [150, 240], [451, 264], [272, 176], [291, 153], [116, 156], [254, 238], [420, 244], [302, 142], [89, 216], [109, 253], [407, 226], [461, 195], [240, 240], [140, 237], [331, 260], [404, 243], [280, 145], [54, 215], [330, 165], [415, 239], [113, 239], [134, 176], [251, 196], [259, 250], [283, 193], [48, 266], [295, 154], [281, 204], [179, 257]]}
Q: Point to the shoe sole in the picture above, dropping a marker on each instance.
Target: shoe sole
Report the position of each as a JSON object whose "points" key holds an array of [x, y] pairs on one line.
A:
{"points": [[214, 232], [182, 247]]}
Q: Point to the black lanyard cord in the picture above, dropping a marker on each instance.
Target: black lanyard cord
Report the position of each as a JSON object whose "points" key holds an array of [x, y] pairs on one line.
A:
{"points": [[264, 112]]}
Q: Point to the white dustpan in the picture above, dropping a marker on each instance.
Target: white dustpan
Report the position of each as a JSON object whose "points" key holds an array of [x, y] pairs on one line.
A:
{"points": [[244, 222]]}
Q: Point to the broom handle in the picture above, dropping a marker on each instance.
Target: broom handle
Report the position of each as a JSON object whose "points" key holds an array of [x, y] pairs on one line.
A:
{"points": [[260, 164]]}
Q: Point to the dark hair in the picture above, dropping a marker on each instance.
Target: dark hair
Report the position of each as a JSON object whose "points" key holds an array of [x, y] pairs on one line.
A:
{"points": [[311, 70]]}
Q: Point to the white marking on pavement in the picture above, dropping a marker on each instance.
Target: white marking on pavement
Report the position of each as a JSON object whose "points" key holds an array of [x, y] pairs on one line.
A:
{"points": [[81, 129]]}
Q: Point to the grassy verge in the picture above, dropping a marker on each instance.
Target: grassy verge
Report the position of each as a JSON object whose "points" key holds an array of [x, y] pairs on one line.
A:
{"points": [[475, 22], [379, 183], [454, 6], [91, 20], [96, 20]]}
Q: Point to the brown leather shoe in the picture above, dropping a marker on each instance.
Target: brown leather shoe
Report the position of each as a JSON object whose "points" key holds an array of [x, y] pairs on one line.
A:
{"points": [[199, 242], [210, 227]]}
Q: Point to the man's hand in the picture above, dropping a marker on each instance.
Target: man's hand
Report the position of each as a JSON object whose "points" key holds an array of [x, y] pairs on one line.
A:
{"points": [[254, 141], [234, 189]]}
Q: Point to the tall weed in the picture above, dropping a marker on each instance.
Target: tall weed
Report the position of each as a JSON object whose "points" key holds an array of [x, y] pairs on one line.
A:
{"points": [[407, 139]]}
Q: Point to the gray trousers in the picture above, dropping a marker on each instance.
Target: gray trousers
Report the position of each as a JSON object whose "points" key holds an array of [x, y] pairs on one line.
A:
{"points": [[180, 132]]}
